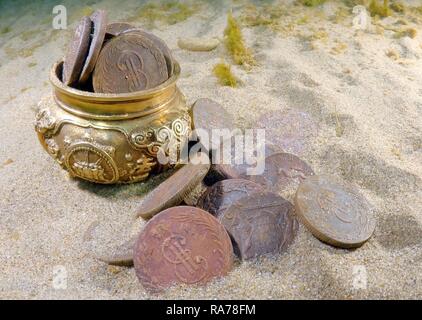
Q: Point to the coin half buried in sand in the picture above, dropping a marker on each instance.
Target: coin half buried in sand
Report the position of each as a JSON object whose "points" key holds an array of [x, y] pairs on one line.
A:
{"points": [[122, 255], [172, 191], [182, 245], [224, 193], [334, 212], [99, 21], [128, 63], [259, 224], [283, 172], [77, 52]]}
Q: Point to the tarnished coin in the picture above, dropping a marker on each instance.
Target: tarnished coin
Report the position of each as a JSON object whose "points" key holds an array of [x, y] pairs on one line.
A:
{"points": [[182, 245], [334, 211], [116, 28], [122, 255], [127, 63], [224, 193], [161, 45], [259, 224], [293, 131], [208, 116], [173, 190], [99, 21], [77, 52], [192, 198], [240, 161], [283, 172]]}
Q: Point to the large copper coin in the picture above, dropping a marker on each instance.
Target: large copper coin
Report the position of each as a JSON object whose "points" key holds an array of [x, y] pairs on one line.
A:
{"points": [[224, 193], [127, 63], [172, 191], [293, 131], [182, 245], [334, 212], [99, 21], [77, 52], [161, 45], [283, 172], [259, 224]]}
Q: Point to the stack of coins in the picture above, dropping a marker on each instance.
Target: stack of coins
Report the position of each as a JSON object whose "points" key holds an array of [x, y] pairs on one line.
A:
{"points": [[115, 58]]}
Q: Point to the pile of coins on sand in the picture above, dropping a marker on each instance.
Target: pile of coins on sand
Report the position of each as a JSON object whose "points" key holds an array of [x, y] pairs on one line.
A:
{"points": [[115, 58], [204, 213]]}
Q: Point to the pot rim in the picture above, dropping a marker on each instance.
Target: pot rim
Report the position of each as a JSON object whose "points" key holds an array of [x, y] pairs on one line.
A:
{"points": [[112, 106], [142, 94]]}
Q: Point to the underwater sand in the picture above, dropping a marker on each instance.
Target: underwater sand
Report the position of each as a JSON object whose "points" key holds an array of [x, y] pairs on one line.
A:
{"points": [[367, 107]]}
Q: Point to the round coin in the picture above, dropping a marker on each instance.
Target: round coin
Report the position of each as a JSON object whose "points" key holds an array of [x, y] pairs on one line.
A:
{"points": [[182, 245], [260, 224], [161, 45], [77, 52], [224, 193], [128, 63], [208, 116], [335, 212], [120, 256], [283, 172], [174, 189], [99, 21]]}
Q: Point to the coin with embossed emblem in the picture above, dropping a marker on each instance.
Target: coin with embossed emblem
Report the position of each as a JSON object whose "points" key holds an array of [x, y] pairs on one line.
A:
{"points": [[99, 21], [335, 212], [224, 193], [77, 52], [259, 224], [174, 189], [161, 45], [283, 172], [182, 245], [127, 63]]}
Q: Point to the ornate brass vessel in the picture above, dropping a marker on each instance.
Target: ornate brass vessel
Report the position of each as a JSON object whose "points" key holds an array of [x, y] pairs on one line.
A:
{"points": [[112, 138]]}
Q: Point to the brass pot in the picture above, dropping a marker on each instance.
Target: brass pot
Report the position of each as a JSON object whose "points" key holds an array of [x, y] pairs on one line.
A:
{"points": [[112, 138]]}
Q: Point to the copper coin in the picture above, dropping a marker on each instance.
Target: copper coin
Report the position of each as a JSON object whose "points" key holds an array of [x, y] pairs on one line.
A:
{"points": [[335, 212], [293, 131], [127, 63], [99, 21], [208, 116], [77, 52], [182, 245], [122, 255], [116, 28], [259, 224], [161, 45], [172, 191], [283, 172], [238, 164], [224, 193]]}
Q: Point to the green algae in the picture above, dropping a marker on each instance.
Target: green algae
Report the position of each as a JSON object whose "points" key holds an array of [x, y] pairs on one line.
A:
{"points": [[224, 75], [233, 40], [170, 12]]}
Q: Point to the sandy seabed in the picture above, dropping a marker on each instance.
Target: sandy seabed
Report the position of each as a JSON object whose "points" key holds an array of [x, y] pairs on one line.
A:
{"points": [[363, 90]]}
